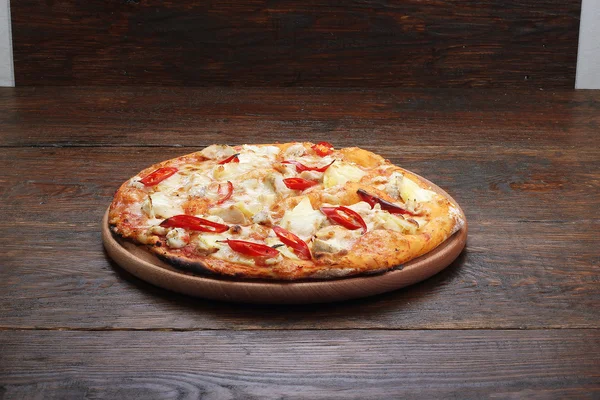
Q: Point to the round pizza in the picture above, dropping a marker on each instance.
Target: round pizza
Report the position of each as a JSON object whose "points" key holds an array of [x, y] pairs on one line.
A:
{"points": [[288, 212]]}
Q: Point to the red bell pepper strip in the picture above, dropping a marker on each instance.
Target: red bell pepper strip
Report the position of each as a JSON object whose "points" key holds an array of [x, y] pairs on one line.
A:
{"points": [[346, 217], [299, 183], [301, 167], [252, 249], [385, 205], [234, 158], [228, 194], [158, 176], [193, 223], [323, 148], [298, 245]]}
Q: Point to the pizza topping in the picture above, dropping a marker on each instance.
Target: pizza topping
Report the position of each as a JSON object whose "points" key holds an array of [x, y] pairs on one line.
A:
{"points": [[252, 249], [346, 217], [276, 181], [231, 171], [394, 222], [323, 148], [401, 187], [299, 183], [266, 151], [158, 176], [295, 150], [177, 238], [231, 214], [311, 175], [298, 245], [303, 220], [197, 185], [248, 209], [341, 173], [225, 193], [334, 239], [146, 207], [193, 223], [217, 151], [208, 243], [410, 191], [233, 158], [385, 205], [135, 182], [157, 230], [301, 167], [161, 205]]}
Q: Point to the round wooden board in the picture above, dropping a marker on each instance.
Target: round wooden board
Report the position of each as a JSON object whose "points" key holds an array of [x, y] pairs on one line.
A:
{"points": [[148, 267]]}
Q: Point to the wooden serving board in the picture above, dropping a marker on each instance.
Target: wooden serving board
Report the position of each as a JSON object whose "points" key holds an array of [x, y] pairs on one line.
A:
{"points": [[145, 265]]}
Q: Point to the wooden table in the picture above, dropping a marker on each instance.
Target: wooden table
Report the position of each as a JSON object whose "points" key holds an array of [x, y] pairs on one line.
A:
{"points": [[517, 315]]}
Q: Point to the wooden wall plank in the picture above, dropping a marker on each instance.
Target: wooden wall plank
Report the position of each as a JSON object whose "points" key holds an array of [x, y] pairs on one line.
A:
{"points": [[300, 364], [522, 43]]}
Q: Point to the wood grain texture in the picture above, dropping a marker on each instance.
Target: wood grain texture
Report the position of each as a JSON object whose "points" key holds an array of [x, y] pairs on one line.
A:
{"points": [[423, 120], [317, 43], [539, 259], [301, 364], [524, 165]]}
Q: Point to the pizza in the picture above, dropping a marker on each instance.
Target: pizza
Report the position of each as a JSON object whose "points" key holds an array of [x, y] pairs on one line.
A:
{"points": [[287, 212]]}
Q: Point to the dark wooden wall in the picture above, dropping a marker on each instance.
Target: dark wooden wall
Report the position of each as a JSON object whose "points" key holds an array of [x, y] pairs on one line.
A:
{"points": [[416, 43]]}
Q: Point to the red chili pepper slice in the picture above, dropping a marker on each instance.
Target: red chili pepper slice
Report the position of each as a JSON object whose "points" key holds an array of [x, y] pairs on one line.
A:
{"points": [[323, 148], [228, 194], [385, 205], [252, 249], [193, 223], [298, 245], [369, 198], [346, 217], [299, 183], [301, 167], [158, 176], [234, 158]]}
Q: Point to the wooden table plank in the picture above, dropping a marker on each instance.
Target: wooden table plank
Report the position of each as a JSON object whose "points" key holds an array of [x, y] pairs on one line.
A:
{"points": [[533, 248], [524, 165], [127, 116], [300, 364]]}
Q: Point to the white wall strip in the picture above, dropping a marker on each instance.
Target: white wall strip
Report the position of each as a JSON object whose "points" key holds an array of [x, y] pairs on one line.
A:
{"points": [[588, 55], [7, 76]]}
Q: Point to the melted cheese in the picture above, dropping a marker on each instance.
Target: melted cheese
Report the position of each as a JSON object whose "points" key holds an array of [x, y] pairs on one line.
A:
{"points": [[385, 220], [285, 250], [165, 206], [173, 183], [208, 242], [217, 151], [231, 171], [377, 218], [135, 182], [339, 173], [295, 150], [410, 191], [268, 151], [177, 238], [303, 220], [335, 239], [229, 214]]}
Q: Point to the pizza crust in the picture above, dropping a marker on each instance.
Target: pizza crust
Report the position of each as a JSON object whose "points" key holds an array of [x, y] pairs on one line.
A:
{"points": [[389, 243]]}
